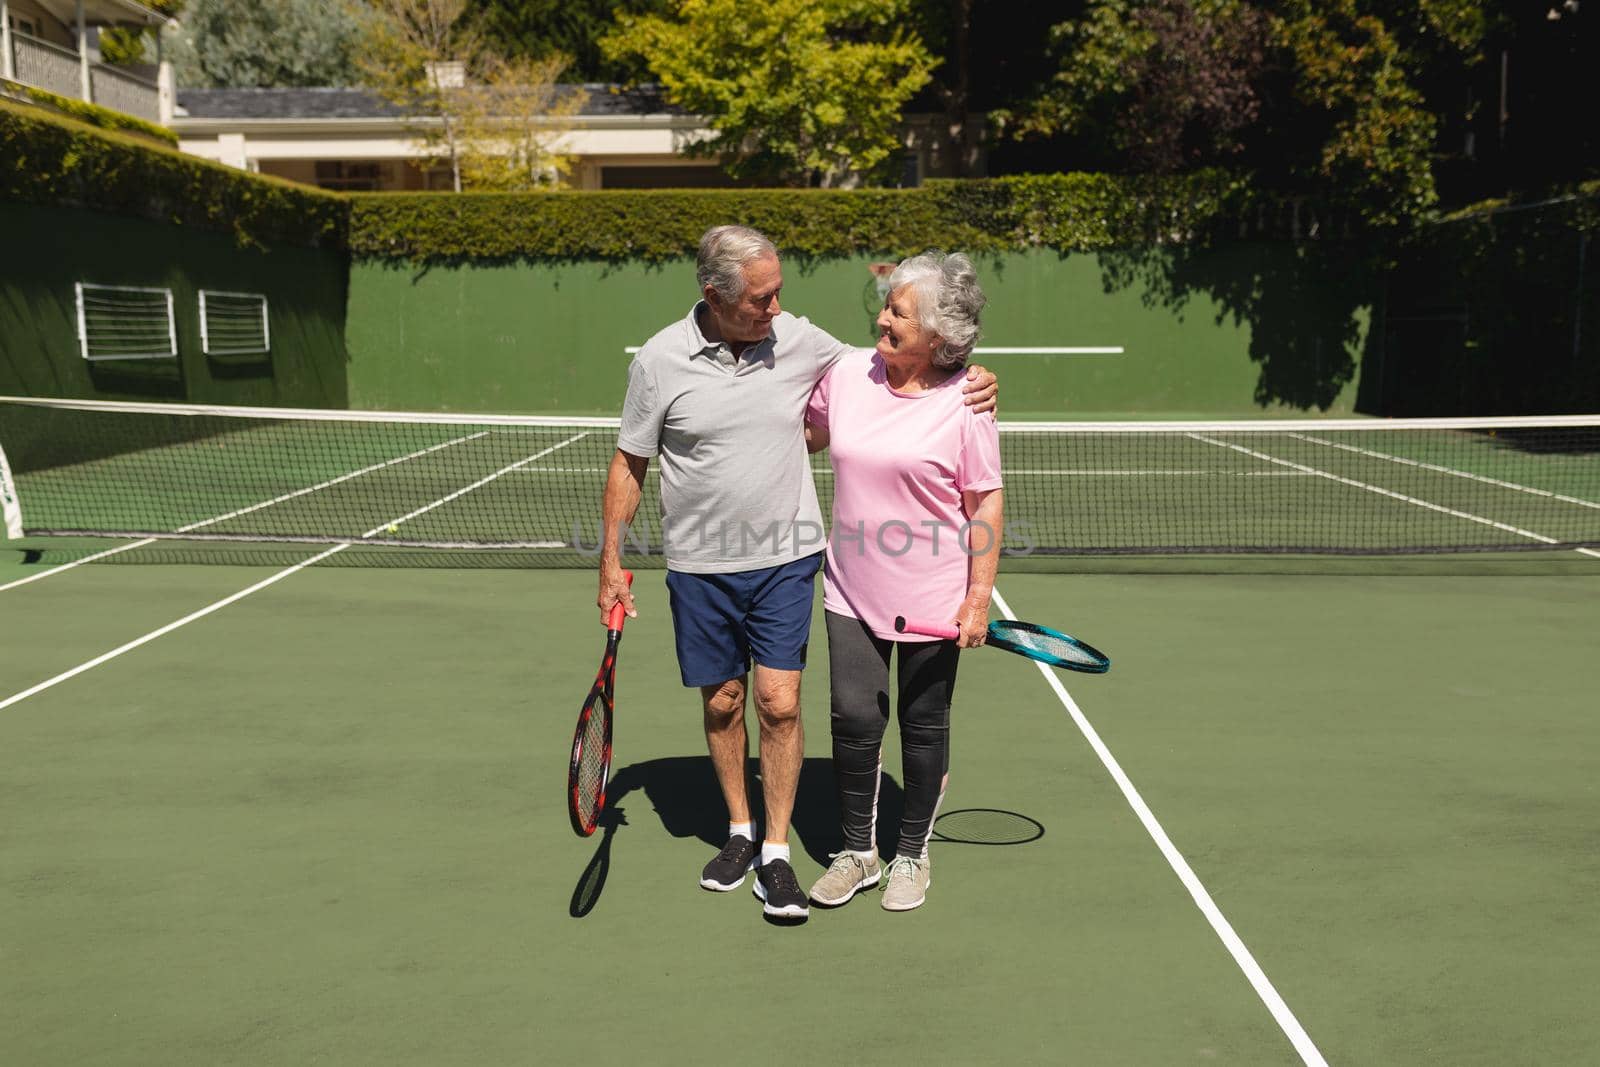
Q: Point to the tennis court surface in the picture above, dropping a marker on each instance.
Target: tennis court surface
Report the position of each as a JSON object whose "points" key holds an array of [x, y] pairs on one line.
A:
{"points": [[1322, 808]]}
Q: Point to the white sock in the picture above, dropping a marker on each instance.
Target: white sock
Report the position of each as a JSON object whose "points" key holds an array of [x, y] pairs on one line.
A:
{"points": [[744, 829], [770, 851], [867, 855]]}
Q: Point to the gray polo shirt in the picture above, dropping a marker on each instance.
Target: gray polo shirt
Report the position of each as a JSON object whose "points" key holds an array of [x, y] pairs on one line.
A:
{"points": [[736, 489]]}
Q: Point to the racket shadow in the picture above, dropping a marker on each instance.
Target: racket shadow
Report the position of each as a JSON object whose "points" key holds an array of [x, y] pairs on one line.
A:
{"points": [[683, 793]]}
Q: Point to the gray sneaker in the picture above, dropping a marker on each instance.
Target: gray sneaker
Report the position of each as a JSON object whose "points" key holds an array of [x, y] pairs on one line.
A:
{"points": [[847, 875], [905, 884]]}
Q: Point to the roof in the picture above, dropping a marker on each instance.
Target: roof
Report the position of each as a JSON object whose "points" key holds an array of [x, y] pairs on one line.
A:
{"points": [[103, 12], [331, 103]]}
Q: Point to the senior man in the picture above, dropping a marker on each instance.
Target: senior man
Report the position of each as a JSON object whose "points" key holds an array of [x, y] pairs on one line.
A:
{"points": [[721, 396]]}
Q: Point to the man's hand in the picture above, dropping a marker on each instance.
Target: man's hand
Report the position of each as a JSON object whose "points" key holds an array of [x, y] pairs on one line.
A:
{"points": [[982, 389], [614, 588]]}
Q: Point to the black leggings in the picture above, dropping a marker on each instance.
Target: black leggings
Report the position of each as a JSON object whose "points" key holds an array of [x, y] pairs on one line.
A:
{"points": [[859, 671]]}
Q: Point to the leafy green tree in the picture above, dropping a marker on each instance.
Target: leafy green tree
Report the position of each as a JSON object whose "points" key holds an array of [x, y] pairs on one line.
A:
{"points": [[804, 92], [573, 28], [1330, 97], [421, 56], [513, 124], [227, 44], [119, 44]]}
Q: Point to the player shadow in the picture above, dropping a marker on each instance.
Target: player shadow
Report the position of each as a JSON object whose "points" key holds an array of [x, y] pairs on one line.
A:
{"points": [[683, 793]]}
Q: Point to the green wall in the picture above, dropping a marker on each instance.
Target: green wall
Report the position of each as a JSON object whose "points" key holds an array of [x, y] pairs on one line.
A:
{"points": [[48, 249], [1246, 329]]}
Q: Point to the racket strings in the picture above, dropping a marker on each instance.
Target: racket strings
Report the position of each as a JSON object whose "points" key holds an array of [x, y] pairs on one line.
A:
{"points": [[592, 765], [1054, 646]]}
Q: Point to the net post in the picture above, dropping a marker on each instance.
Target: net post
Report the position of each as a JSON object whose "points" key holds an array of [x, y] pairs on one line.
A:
{"points": [[205, 326], [83, 323], [10, 506]]}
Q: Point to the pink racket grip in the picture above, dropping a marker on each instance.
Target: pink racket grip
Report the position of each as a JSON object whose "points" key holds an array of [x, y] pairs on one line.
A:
{"points": [[618, 612], [948, 631]]}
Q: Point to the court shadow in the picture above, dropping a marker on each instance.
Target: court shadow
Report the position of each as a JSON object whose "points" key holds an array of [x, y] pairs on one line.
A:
{"points": [[683, 793]]}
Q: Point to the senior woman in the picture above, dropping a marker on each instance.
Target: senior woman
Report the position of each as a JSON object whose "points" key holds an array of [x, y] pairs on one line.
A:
{"points": [[917, 517]]}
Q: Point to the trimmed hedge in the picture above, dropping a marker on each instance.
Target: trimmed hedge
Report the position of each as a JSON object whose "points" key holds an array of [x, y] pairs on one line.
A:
{"points": [[102, 117], [51, 159], [47, 158], [1061, 211]]}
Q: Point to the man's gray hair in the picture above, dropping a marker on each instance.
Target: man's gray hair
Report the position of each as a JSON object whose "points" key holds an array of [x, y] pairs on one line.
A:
{"points": [[948, 301], [724, 250]]}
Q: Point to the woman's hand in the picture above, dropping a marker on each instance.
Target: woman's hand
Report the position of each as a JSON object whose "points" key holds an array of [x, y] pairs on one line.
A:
{"points": [[973, 618]]}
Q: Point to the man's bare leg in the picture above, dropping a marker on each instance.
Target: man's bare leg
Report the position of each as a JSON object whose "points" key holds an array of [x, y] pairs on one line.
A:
{"points": [[783, 746], [728, 743]]}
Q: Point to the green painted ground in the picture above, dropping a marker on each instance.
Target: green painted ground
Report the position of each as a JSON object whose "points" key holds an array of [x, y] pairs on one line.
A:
{"points": [[326, 824]]}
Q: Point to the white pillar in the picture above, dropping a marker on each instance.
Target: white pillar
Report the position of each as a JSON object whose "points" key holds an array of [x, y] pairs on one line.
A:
{"points": [[8, 67], [231, 150], [84, 90], [166, 92], [166, 85], [7, 63]]}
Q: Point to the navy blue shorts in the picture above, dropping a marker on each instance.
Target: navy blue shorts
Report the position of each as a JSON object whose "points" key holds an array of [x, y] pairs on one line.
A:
{"points": [[722, 621]]}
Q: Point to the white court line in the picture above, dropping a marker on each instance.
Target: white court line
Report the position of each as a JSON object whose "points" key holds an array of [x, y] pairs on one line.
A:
{"points": [[167, 629], [1104, 350], [77, 563], [1529, 534], [1463, 474], [1448, 470], [1224, 930], [983, 350], [243, 511], [264, 583]]}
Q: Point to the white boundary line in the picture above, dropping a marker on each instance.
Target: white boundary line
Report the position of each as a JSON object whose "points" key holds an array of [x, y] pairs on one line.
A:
{"points": [[167, 629], [247, 510], [1091, 350], [1417, 501], [1224, 930], [77, 563], [985, 350], [1452, 471], [104, 657]]}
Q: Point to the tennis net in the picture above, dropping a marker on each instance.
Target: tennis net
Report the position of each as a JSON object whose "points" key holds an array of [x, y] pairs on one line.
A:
{"points": [[441, 481]]}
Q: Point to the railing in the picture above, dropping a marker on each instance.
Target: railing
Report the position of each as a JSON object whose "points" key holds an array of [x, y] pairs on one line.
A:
{"points": [[49, 66], [124, 92], [46, 66]]}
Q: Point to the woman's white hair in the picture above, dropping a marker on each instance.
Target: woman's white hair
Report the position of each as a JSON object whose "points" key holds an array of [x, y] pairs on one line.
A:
{"points": [[724, 250], [948, 301]]}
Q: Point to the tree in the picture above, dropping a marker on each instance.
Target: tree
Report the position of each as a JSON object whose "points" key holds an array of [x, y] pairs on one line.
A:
{"points": [[125, 45], [1169, 85], [537, 29], [420, 55], [512, 125], [1331, 97], [804, 92], [227, 44]]}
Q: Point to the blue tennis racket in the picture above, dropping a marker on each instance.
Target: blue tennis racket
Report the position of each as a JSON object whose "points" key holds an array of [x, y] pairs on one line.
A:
{"points": [[1025, 639]]}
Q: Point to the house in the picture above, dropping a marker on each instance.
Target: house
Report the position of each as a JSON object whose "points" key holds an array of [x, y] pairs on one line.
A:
{"points": [[52, 45], [353, 139], [620, 138]]}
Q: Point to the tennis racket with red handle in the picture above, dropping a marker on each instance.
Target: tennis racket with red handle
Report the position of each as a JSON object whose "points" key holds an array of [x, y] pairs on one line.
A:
{"points": [[591, 741]]}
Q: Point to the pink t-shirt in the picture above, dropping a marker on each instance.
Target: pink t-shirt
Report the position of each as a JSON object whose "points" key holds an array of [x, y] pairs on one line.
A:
{"points": [[901, 462]]}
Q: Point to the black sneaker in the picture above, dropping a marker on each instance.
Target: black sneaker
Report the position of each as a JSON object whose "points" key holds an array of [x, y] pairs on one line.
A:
{"points": [[727, 871], [779, 890]]}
